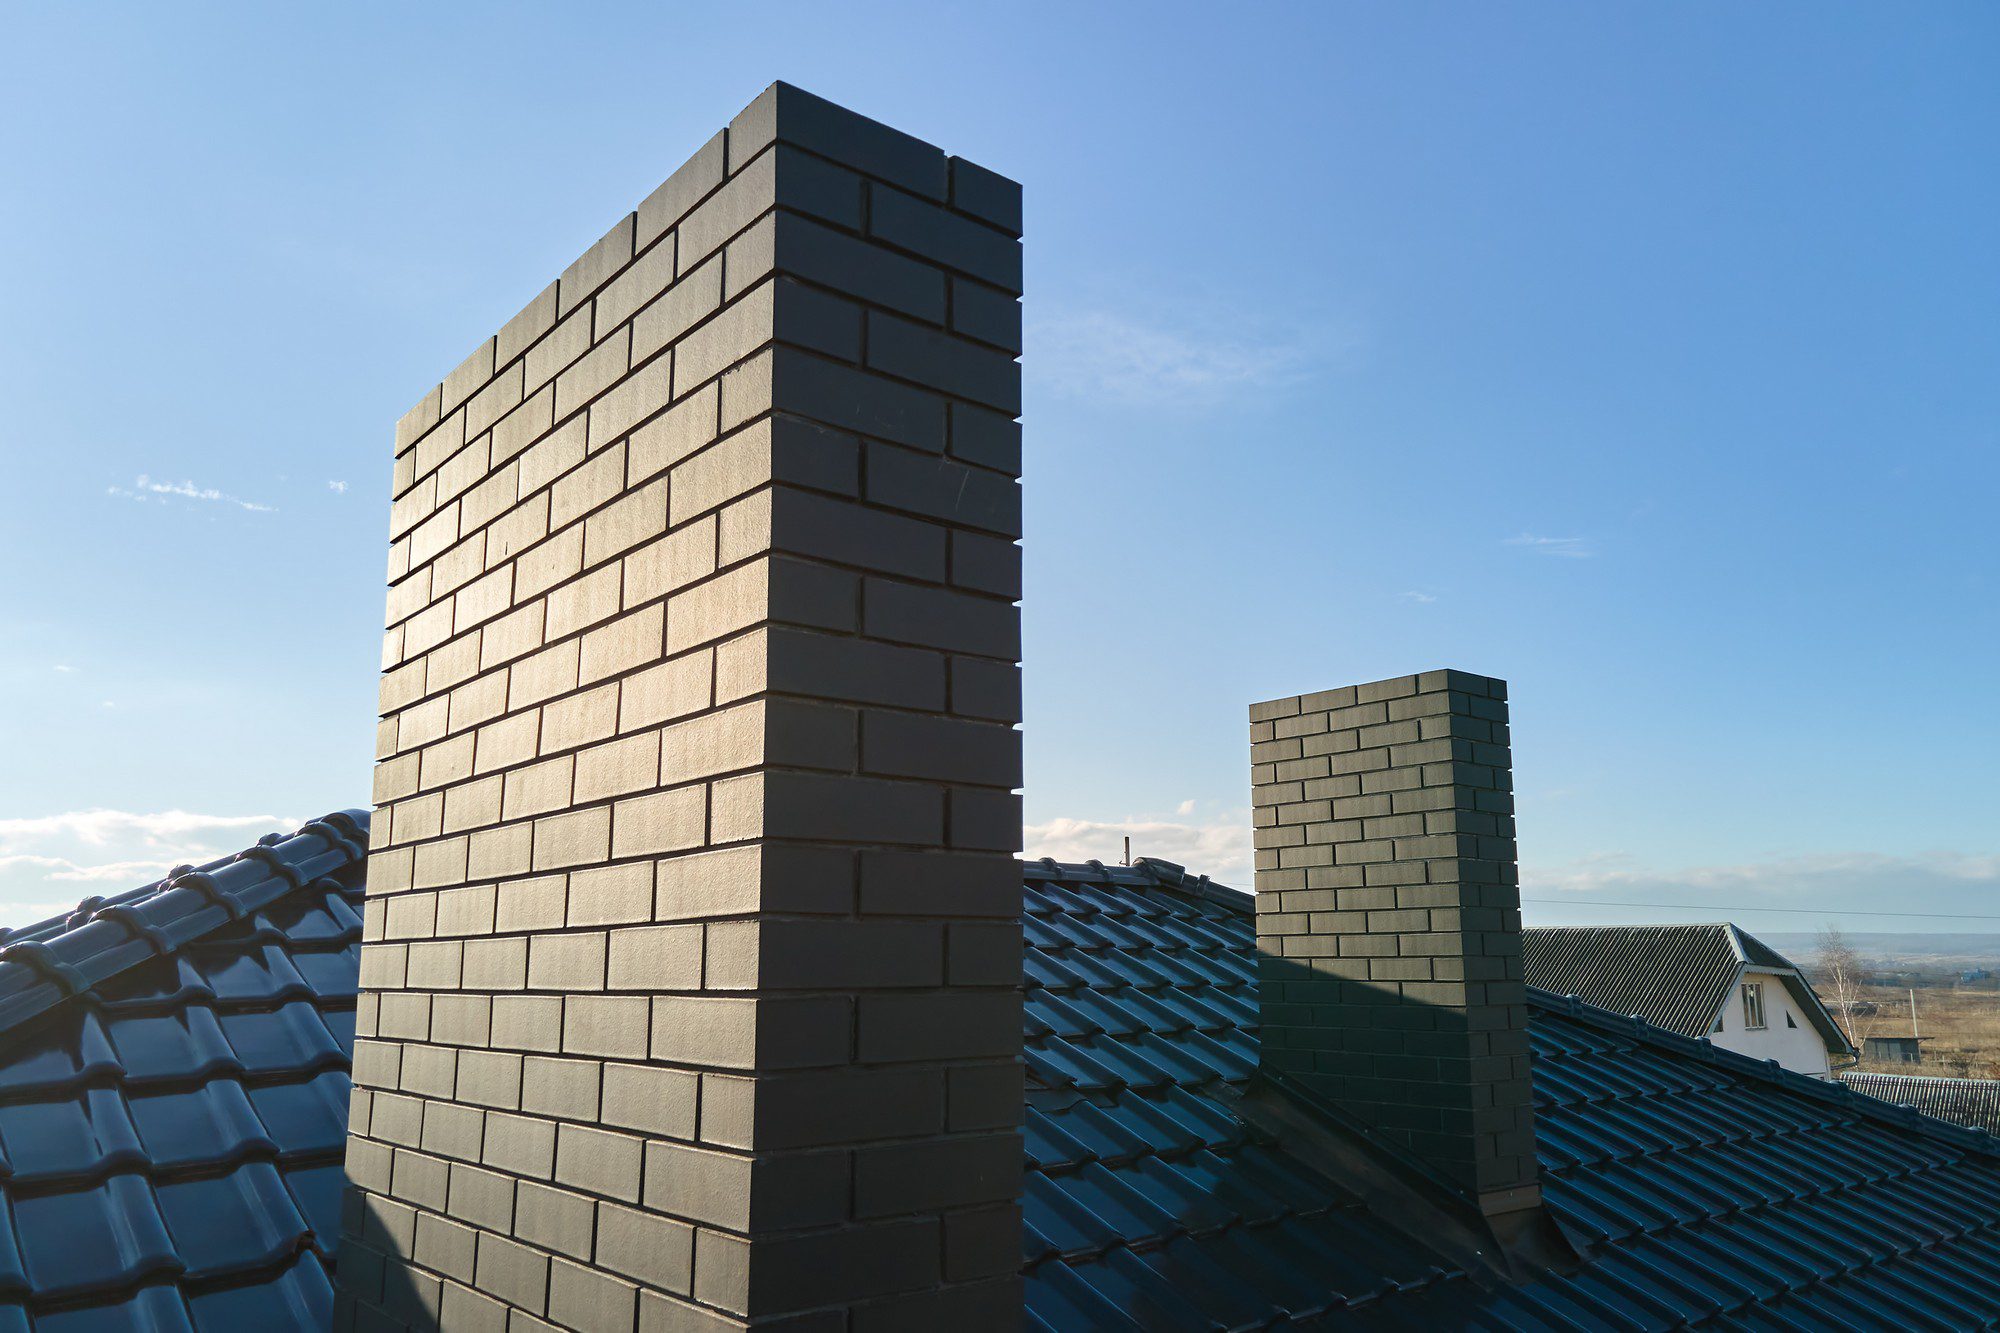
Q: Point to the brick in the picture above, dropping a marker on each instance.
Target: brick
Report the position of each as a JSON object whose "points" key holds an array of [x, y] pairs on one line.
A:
{"points": [[932, 617], [590, 1301], [601, 367], [566, 962], [646, 1247], [513, 1273], [618, 767], [627, 403], [918, 1177], [898, 744], [829, 528], [959, 367], [777, 878], [595, 266], [469, 374], [655, 958], [668, 821], [691, 182], [780, 955], [935, 233], [611, 895], [802, 247], [671, 690], [778, 804], [576, 838], [721, 1189], [630, 641], [786, 379], [671, 563], [606, 1025], [528, 1022], [942, 489], [985, 313], [599, 1161], [783, 113], [481, 1197], [942, 1026], [674, 434], [750, 1033], [552, 456], [657, 1102]]}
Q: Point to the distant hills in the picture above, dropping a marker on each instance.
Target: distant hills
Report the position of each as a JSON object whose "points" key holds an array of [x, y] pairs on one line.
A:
{"points": [[1954, 949]]}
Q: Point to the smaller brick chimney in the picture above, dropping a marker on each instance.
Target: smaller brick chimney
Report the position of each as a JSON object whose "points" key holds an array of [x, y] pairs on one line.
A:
{"points": [[1389, 923]]}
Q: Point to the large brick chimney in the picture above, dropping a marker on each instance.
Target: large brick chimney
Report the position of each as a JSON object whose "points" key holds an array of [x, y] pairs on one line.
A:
{"points": [[693, 936], [1389, 924]]}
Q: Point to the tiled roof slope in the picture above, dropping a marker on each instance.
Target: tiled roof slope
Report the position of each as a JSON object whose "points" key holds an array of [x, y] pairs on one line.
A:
{"points": [[1973, 1102], [172, 1138], [1702, 1188], [173, 1095], [1675, 977]]}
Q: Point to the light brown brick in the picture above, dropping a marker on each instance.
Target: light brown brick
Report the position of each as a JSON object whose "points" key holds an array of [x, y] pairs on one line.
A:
{"points": [[573, 839], [673, 689], [668, 821], [618, 767], [630, 641]]}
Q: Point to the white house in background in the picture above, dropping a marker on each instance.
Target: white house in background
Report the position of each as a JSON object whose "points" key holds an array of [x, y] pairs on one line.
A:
{"points": [[1711, 980]]}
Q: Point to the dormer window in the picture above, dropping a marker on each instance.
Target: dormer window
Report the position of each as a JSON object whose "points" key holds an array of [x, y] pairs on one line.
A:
{"points": [[1753, 1004]]}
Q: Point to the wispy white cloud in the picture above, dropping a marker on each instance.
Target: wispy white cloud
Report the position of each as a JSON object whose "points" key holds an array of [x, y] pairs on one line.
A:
{"points": [[1219, 848], [99, 826], [337, 487], [145, 488], [1563, 548], [41, 856], [1192, 360], [1420, 598], [62, 869], [65, 668], [1827, 883], [1185, 807]]}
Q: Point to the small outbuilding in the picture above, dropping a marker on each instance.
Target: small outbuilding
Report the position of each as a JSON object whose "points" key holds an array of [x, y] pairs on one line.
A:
{"points": [[1892, 1050]]}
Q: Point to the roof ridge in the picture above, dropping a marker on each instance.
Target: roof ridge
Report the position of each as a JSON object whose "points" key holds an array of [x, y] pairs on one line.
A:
{"points": [[41, 966], [1768, 1071]]}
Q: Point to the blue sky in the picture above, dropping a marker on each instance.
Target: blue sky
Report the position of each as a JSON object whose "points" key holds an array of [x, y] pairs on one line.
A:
{"points": [[1641, 355]]}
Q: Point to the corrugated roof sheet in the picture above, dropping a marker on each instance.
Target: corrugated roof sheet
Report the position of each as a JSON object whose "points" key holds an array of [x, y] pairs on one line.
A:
{"points": [[173, 1095], [1974, 1102], [170, 1140], [1676, 977]]}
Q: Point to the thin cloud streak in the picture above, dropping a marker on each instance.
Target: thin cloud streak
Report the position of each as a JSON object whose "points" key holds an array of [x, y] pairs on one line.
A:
{"points": [[1562, 548], [1106, 354], [144, 488]]}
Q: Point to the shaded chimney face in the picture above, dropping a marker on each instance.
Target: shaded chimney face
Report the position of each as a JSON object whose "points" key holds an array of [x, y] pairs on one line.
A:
{"points": [[1388, 919], [692, 956]]}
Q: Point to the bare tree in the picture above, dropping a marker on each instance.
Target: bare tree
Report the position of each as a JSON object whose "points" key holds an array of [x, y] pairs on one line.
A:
{"points": [[1840, 978]]}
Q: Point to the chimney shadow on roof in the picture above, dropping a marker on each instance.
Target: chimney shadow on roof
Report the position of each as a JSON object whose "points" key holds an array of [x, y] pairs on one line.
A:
{"points": [[1389, 1114]]}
